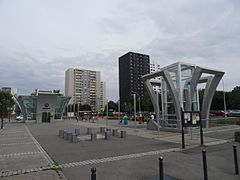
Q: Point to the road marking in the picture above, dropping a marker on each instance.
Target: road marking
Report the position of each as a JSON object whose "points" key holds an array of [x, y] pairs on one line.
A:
{"points": [[19, 154], [14, 144], [14, 138]]}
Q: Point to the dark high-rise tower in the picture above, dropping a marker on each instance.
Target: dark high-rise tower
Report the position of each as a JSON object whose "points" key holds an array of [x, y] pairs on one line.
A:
{"points": [[131, 67]]}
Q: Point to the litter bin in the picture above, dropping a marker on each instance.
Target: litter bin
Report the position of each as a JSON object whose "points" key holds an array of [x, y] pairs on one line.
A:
{"points": [[125, 122]]}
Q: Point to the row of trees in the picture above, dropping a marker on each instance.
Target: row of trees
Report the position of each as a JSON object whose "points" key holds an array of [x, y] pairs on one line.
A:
{"points": [[6, 104], [232, 101]]}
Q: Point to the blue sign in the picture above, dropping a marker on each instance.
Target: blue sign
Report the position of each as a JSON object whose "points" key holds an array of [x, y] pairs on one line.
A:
{"points": [[46, 106]]}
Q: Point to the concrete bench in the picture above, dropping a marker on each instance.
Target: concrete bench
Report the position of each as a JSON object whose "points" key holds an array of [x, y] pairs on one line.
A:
{"points": [[74, 138], [237, 136], [123, 134], [61, 133], [102, 130], [65, 135], [77, 132], [108, 135], [115, 132], [69, 137], [109, 129], [93, 137], [89, 131]]}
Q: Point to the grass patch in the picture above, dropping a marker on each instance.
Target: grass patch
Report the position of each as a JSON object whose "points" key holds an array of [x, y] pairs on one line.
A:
{"points": [[222, 121]]}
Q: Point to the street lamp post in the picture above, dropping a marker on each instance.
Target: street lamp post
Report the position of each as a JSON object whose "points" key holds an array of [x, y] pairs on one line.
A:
{"points": [[224, 101], [134, 102], [107, 115], [1, 115], [139, 101], [119, 110], [157, 116]]}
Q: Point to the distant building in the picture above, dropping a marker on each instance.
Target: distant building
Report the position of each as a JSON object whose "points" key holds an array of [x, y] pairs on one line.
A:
{"points": [[43, 106], [85, 88], [13, 91], [103, 96], [131, 67], [153, 68]]}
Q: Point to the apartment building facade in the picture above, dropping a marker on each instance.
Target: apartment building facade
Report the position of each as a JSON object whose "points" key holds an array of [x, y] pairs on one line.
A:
{"points": [[131, 67], [85, 87]]}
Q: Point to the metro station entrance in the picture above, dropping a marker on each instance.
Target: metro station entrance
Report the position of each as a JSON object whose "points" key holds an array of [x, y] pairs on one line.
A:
{"points": [[46, 116]]}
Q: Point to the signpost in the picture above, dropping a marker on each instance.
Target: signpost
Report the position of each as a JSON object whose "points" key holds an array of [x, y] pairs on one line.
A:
{"points": [[191, 119]]}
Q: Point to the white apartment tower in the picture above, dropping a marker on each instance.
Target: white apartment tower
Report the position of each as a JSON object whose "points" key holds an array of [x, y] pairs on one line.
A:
{"points": [[153, 68], [85, 87]]}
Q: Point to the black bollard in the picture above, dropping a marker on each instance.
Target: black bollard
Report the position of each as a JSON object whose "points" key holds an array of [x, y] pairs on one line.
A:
{"points": [[1, 123], [161, 176], [93, 175], [204, 164], [235, 159]]}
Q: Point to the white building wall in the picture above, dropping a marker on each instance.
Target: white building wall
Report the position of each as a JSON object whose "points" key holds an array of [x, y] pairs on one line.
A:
{"points": [[69, 84], [153, 68], [103, 95]]}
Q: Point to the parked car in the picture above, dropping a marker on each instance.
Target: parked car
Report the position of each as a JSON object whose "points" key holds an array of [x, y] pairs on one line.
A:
{"points": [[19, 118], [218, 113], [234, 113]]}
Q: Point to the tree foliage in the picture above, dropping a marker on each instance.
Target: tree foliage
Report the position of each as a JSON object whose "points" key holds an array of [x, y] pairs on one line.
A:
{"points": [[235, 98], [58, 92], [6, 103], [232, 99], [146, 103], [113, 106]]}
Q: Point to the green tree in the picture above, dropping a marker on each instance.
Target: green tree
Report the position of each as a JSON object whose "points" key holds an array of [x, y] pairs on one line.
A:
{"points": [[235, 98], [6, 103], [58, 92], [218, 101], [85, 107], [146, 103], [129, 107], [112, 106]]}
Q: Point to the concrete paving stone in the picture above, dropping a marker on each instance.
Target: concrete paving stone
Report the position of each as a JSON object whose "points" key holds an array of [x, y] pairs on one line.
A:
{"points": [[20, 162], [41, 175]]}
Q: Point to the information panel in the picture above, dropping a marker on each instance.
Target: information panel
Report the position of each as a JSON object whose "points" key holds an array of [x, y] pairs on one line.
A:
{"points": [[191, 118]]}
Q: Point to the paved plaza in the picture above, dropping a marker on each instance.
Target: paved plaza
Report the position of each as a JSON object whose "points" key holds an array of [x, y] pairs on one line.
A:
{"points": [[35, 151]]}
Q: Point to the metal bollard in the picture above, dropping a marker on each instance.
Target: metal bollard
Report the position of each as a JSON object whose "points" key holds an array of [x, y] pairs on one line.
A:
{"points": [[161, 176], [93, 175], [204, 164], [235, 159]]}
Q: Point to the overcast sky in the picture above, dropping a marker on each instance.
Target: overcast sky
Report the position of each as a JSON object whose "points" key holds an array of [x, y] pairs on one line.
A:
{"points": [[40, 39]]}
